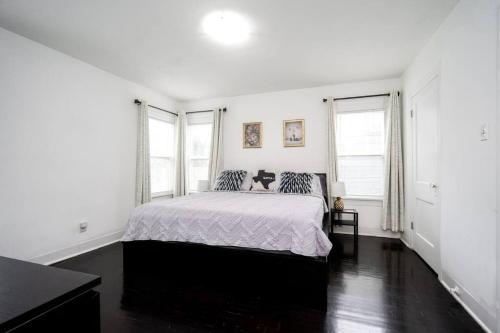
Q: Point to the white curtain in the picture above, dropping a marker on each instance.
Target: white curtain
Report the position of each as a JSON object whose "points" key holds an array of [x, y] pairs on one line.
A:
{"points": [[393, 204], [180, 187], [143, 177], [215, 162], [332, 147]]}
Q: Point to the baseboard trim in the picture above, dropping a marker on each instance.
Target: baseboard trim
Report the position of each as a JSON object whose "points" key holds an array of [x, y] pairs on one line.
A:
{"points": [[473, 303], [372, 234], [80, 248], [406, 243]]}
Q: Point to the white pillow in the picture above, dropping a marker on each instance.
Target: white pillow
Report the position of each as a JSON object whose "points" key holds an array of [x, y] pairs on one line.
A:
{"points": [[247, 182], [316, 185]]}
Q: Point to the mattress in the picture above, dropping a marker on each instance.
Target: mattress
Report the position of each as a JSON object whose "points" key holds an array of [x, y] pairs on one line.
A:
{"points": [[268, 221]]}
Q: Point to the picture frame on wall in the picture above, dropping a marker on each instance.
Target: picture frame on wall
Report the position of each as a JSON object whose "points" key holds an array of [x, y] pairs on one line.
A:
{"points": [[252, 135], [294, 133]]}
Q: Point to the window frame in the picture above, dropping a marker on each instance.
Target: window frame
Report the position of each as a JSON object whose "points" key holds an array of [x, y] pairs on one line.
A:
{"points": [[364, 105], [163, 193], [170, 119], [193, 119]]}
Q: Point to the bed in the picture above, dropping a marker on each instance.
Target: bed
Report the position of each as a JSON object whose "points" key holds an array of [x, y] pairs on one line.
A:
{"points": [[270, 243]]}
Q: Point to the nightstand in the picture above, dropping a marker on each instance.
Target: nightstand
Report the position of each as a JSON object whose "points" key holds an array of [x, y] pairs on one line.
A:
{"points": [[338, 219]]}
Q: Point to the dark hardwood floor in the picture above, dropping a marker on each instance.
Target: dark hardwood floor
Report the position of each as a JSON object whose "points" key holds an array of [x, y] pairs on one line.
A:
{"points": [[386, 287]]}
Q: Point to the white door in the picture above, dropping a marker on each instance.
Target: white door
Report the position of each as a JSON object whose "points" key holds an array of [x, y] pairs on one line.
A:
{"points": [[425, 152]]}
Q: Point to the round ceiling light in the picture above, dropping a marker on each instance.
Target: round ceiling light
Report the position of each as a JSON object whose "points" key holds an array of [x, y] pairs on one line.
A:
{"points": [[226, 27]]}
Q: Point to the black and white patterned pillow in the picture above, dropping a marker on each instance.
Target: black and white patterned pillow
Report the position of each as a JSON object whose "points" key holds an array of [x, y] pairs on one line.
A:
{"points": [[264, 181], [229, 180], [294, 182]]}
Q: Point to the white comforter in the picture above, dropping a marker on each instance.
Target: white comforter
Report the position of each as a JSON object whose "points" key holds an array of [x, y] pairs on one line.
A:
{"points": [[268, 221]]}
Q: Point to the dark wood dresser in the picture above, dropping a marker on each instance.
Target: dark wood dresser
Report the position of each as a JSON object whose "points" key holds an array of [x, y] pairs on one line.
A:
{"points": [[38, 298]]}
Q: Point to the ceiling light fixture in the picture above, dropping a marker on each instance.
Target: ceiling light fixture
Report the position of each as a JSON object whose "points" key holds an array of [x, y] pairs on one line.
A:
{"points": [[226, 27]]}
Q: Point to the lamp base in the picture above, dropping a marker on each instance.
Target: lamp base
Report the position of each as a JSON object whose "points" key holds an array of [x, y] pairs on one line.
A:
{"points": [[338, 204]]}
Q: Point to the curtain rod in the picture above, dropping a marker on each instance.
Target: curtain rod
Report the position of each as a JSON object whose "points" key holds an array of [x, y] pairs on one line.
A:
{"points": [[138, 102], [223, 110], [353, 97]]}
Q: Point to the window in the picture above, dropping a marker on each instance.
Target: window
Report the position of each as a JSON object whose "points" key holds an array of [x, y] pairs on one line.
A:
{"points": [[161, 150], [361, 145], [198, 140]]}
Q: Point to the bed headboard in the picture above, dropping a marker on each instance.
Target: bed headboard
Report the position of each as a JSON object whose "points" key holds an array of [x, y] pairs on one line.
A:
{"points": [[322, 179]]}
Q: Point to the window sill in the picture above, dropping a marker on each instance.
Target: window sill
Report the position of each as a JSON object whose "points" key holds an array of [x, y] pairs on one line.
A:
{"points": [[162, 195], [363, 198]]}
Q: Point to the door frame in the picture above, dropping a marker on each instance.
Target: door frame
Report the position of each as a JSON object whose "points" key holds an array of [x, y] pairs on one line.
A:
{"points": [[424, 83], [498, 168]]}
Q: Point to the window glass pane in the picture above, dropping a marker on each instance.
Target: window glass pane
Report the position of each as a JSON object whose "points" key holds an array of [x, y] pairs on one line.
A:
{"points": [[198, 170], [198, 151], [162, 173], [362, 175], [361, 145], [360, 133], [161, 148], [161, 138], [199, 137]]}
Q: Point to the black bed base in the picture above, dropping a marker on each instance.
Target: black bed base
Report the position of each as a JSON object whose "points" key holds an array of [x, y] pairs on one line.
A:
{"points": [[276, 276]]}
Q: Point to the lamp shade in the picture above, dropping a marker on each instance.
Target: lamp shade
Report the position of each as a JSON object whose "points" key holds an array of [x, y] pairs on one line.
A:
{"points": [[202, 185], [338, 189]]}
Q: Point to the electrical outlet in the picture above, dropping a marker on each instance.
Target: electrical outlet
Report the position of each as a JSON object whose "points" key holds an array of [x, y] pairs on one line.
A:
{"points": [[484, 132], [83, 225]]}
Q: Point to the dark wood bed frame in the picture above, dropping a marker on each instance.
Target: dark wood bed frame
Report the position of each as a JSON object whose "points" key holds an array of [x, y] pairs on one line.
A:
{"points": [[273, 275]]}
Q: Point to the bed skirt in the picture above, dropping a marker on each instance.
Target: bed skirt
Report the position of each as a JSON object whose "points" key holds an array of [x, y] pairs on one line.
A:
{"points": [[277, 276]]}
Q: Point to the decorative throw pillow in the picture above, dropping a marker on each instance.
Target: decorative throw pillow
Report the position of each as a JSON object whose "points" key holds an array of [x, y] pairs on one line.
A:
{"points": [[247, 182], [294, 182], [316, 185], [264, 181], [229, 180]]}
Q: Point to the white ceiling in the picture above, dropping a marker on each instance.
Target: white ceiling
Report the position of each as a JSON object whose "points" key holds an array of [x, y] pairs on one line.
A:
{"points": [[294, 44]]}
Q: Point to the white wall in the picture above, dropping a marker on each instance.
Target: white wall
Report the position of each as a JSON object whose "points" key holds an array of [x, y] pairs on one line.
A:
{"points": [[498, 165], [67, 141], [271, 109], [463, 53]]}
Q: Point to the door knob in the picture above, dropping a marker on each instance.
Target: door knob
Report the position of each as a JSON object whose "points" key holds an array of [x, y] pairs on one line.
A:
{"points": [[434, 185]]}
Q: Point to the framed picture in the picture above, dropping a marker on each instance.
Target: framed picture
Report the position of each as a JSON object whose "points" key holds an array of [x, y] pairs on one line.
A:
{"points": [[252, 135], [293, 133]]}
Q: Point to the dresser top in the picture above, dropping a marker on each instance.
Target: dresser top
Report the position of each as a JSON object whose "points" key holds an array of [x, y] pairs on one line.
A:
{"points": [[28, 289]]}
